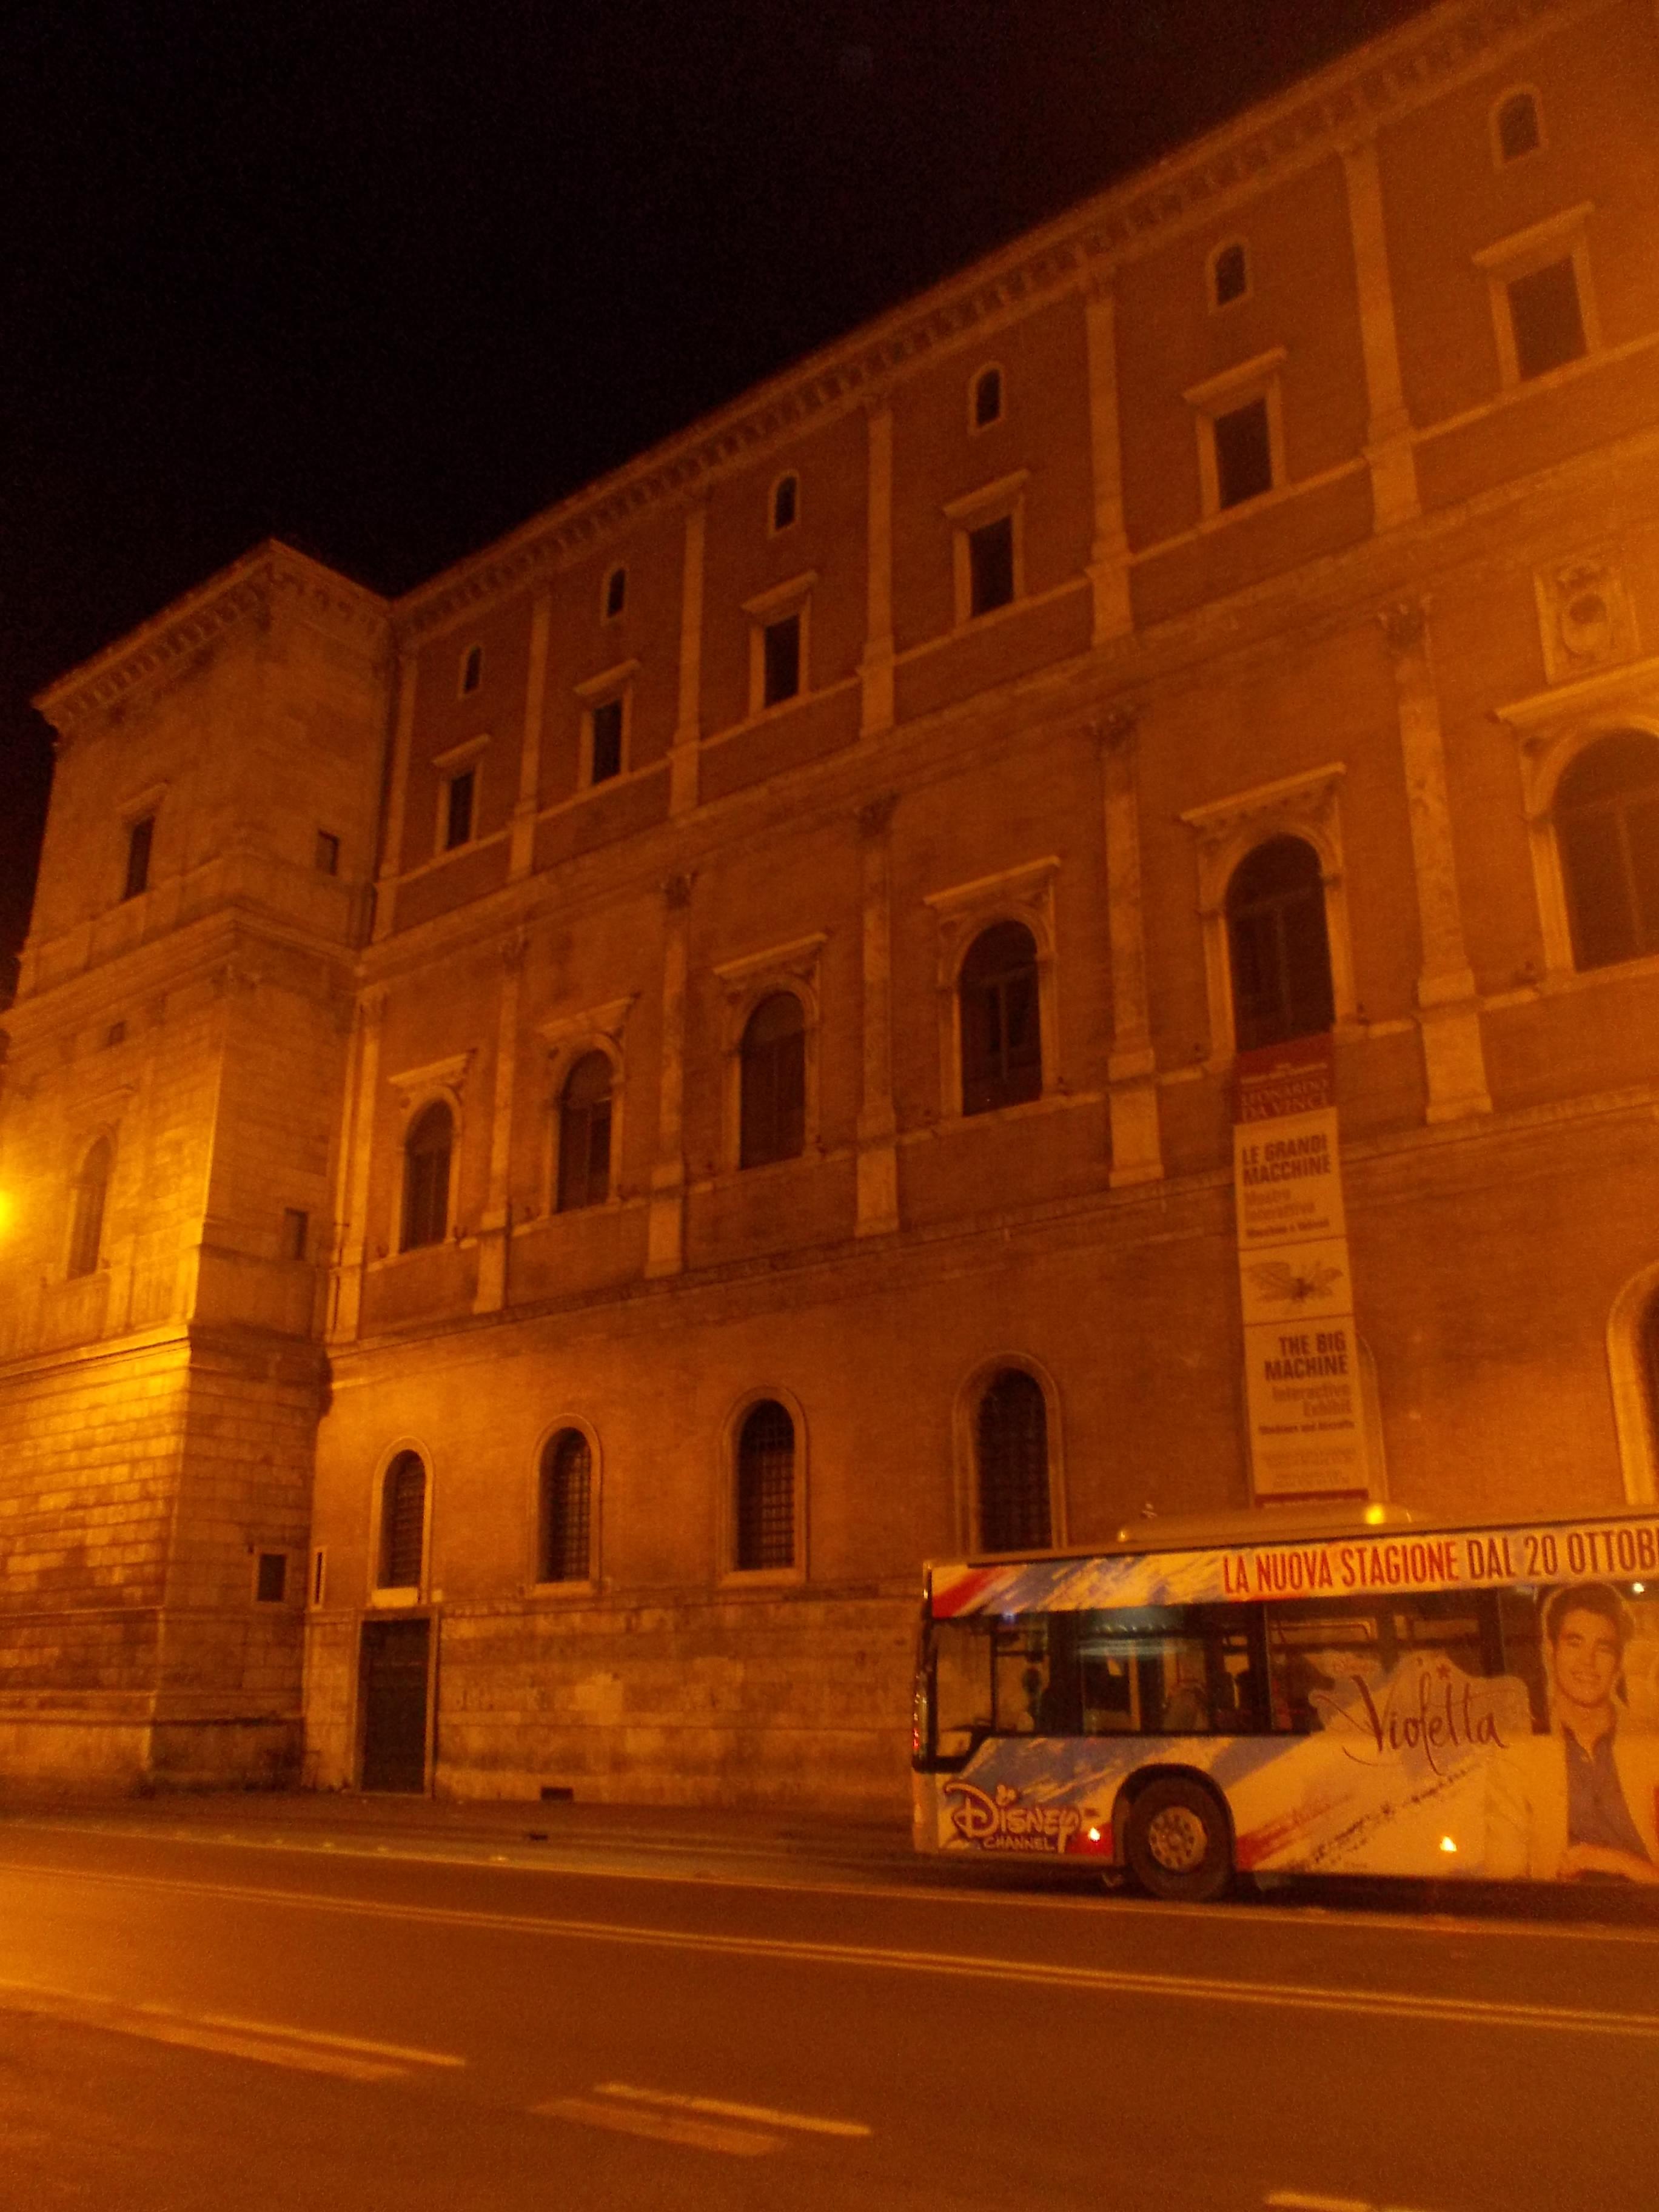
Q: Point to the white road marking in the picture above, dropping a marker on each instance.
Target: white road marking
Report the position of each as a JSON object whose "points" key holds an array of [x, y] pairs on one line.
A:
{"points": [[306, 2051], [765, 2115], [1478, 2012], [659, 2127], [1296, 2200], [1336, 1919]]}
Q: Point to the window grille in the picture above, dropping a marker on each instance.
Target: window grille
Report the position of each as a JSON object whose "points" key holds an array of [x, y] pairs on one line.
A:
{"points": [[766, 1489], [1243, 453], [605, 724], [585, 1134], [1546, 318], [1278, 946], [1606, 830], [1518, 129], [140, 839], [1002, 1023], [772, 1078], [1011, 1440], [990, 565], [781, 661], [87, 1214], [566, 1509], [426, 1177], [403, 1522]]}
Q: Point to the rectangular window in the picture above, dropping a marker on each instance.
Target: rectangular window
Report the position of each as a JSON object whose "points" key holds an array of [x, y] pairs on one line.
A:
{"points": [[781, 661], [1546, 318], [328, 853], [140, 837], [605, 730], [319, 1574], [458, 810], [990, 565], [296, 1232], [270, 1585], [1243, 453]]}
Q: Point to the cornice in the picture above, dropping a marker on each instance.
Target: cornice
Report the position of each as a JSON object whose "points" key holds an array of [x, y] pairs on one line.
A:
{"points": [[269, 583], [1319, 116]]}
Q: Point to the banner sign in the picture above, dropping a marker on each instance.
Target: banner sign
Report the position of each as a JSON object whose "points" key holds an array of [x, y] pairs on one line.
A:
{"points": [[1384, 1561], [1301, 1358]]}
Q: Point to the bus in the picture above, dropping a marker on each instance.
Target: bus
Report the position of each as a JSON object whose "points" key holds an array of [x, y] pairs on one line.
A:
{"points": [[1333, 1694]]}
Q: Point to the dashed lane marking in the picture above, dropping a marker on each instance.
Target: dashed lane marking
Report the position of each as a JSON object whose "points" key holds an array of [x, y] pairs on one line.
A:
{"points": [[306, 2051], [762, 2115], [1298, 2200], [661, 2127], [1209, 1989]]}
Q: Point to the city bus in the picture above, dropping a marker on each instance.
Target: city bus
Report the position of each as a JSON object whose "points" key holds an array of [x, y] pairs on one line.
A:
{"points": [[1343, 1694]]}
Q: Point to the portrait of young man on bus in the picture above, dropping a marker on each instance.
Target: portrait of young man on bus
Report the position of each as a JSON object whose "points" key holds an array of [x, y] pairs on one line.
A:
{"points": [[1581, 1803]]}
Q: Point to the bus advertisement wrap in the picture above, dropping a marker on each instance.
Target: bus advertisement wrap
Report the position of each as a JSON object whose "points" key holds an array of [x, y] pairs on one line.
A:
{"points": [[1482, 1703]]}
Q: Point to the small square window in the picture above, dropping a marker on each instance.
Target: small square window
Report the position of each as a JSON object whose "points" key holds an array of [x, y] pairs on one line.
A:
{"points": [[1547, 319], [990, 565], [1230, 274], [605, 740], [471, 669], [141, 837], [616, 592], [988, 399], [781, 661], [785, 502], [1516, 129], [116, 1033], [328, 853], [296, 1232], [458, 809], [271, 1580], [1243, 453]]}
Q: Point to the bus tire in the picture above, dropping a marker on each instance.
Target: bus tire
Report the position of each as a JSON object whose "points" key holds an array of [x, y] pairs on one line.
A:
{"points": [[1176, 1842]]}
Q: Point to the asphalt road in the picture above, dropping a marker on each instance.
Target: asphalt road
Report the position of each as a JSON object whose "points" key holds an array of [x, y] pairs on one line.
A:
{"points": [[214, 2017]]}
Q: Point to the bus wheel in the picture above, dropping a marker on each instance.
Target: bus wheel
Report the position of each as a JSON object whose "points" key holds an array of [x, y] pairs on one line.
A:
{"points": [[1176, 1842]]}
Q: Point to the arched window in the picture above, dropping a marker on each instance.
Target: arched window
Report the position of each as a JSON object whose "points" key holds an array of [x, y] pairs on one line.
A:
{"points": [[616, 592], [772, 1104], [1606, 831], [1230, 273], [1001, 1019], [1517, 127], [988, 399], [785, 502], [1278, 946], [471, 668], [585, 1134], [765, 1515], [1011, 1464], [87, 1212], [563, 1543], [425, 1176], [403, 1522]]}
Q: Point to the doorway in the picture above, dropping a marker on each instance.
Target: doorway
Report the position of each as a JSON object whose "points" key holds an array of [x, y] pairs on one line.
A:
{"points": [[392, 1680]]}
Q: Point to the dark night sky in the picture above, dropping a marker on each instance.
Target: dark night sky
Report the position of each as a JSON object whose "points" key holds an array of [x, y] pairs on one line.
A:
{"points": [[384, 280]]}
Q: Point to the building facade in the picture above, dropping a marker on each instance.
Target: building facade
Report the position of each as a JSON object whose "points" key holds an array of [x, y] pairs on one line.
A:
{"points": [[567, 1130]]}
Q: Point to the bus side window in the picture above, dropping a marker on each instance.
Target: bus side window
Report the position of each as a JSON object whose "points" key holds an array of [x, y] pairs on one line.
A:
{"points": [[1314, 1645], [962, 1686], [1024, 1694]]}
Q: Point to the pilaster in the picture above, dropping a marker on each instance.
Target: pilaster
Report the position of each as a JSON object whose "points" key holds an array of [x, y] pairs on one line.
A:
{"points": [[1387, 434], [688, 726], [495, 1229], [523, 847], [664, 1252], [878, 1153], [356, 1158], [1450, 1015], [391, 861], [1132, 1067], [1109, 558], [875, 668]]}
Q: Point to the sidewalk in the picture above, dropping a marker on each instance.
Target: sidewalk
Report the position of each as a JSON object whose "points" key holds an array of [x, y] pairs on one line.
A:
{"points": [[796, 1831]]}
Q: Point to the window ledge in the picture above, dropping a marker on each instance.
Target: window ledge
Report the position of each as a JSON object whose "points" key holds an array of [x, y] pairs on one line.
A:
{"points": [[401, 1597], [564, 1593], [762, 714], [760, 1580]]}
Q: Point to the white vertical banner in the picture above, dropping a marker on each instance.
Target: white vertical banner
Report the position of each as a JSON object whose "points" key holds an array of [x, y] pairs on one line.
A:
{"points": [[1301, 1356]]}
